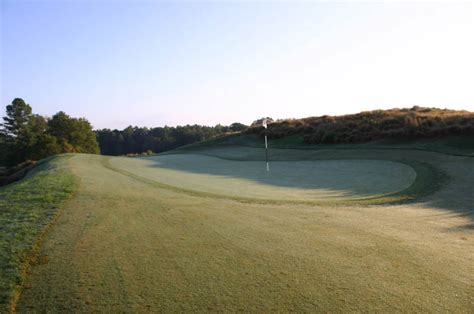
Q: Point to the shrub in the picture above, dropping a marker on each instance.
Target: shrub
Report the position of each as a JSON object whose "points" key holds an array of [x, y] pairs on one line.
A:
{"points": [[372, 125]]}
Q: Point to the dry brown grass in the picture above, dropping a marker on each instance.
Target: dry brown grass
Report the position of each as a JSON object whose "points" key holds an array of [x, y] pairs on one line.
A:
{"points": [[410, 123]]}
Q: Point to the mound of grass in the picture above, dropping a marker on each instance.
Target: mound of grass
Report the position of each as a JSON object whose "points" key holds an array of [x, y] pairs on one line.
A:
{"points": [[452, 145], [27, 208], [412, 123]]}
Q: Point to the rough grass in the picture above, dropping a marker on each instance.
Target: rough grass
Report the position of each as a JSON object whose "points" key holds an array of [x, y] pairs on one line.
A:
{"points": [[127, 243], [26, 209], [412, 123]]}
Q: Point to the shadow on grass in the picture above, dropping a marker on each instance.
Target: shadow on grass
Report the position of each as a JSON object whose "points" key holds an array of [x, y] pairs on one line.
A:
{"points": [[443, 181], [338, 177], [338, 173]]}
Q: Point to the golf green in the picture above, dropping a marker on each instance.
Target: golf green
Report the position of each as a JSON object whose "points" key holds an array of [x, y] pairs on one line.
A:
{"points": [[286, 180]]}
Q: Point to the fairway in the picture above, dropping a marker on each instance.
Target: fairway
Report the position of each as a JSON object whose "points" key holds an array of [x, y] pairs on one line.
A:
{"points": [[191, 232], [287, 180]]}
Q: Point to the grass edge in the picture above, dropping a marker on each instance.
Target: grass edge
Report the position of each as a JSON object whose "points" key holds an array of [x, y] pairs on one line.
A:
{"points": [[41, 237]]}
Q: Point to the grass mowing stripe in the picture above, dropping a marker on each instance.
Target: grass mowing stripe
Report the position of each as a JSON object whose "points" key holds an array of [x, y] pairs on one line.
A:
{"points": [[428, 180], [27, 209]]}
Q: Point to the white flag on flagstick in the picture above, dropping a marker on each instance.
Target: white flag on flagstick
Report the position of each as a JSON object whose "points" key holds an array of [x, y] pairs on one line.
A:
{"points": [[264, 123]]}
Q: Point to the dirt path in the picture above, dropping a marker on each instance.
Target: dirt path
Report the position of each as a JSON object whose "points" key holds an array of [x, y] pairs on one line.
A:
{"points": [[122, 245]]}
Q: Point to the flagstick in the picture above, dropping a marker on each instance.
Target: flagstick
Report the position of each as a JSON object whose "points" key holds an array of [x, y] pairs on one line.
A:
{"points": [[266, 151], [264, 124]]}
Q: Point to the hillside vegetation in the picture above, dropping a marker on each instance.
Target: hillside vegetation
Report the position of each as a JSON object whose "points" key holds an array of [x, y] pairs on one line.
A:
{"points": [[416, 122]]}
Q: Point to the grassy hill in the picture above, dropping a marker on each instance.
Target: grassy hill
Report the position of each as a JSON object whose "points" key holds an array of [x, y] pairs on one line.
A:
{"points": [[361, 227], [27, 209], [462, 145], [404, 124]]}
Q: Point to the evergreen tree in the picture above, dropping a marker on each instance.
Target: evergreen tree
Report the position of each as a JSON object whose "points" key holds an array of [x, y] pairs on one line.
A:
{"points": [[16, 131], [18, 116], [3, 150], [25, 135]]}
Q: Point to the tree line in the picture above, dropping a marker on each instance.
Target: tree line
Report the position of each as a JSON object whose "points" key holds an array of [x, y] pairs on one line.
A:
{"points": [[28, 136], [137, 140]]}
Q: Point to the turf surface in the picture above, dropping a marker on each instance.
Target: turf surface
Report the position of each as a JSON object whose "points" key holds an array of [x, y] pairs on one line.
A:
{"points": [[26, 210], [287, 180], [132, 239]]}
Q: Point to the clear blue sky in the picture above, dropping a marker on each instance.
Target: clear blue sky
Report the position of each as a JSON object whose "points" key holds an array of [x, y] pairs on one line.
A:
{"points": [[152, 63]]}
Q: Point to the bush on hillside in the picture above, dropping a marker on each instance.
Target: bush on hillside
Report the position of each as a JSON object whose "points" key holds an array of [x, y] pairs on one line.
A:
{"points": [[373, 125]]}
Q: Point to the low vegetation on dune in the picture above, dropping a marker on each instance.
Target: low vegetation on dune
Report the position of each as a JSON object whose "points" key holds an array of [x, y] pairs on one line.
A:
{"points": [[26, 210], [416, 122]]}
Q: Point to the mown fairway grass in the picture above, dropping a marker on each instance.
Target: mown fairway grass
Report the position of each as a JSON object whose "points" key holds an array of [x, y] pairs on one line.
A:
{"points": [[26, 210], [142, 237]]}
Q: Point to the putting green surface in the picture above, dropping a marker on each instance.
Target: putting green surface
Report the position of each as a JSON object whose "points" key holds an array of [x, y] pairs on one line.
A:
{"points": [[129, 242], [286, 180]]}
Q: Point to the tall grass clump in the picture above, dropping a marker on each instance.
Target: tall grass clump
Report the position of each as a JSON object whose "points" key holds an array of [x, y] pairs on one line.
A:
{"points": [[416, 122]]}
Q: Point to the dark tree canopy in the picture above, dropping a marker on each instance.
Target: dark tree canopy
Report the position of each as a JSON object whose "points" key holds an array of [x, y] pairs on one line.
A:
{"points": [[26, 136], [135, 140], [73, 135], [17, 118], [16, 130], [238, 127], [3, 150]]}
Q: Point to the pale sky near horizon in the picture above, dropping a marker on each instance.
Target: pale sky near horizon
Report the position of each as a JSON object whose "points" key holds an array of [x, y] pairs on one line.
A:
{"points": [[155, 63]]}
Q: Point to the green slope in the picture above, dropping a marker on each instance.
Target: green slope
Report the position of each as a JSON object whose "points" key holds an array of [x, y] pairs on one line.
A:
{"points": [[26, 210], [455, 145], [130, 241]]}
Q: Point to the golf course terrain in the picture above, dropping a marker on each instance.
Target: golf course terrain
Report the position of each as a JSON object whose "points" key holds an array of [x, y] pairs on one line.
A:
{"points": [[385, 227]]}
